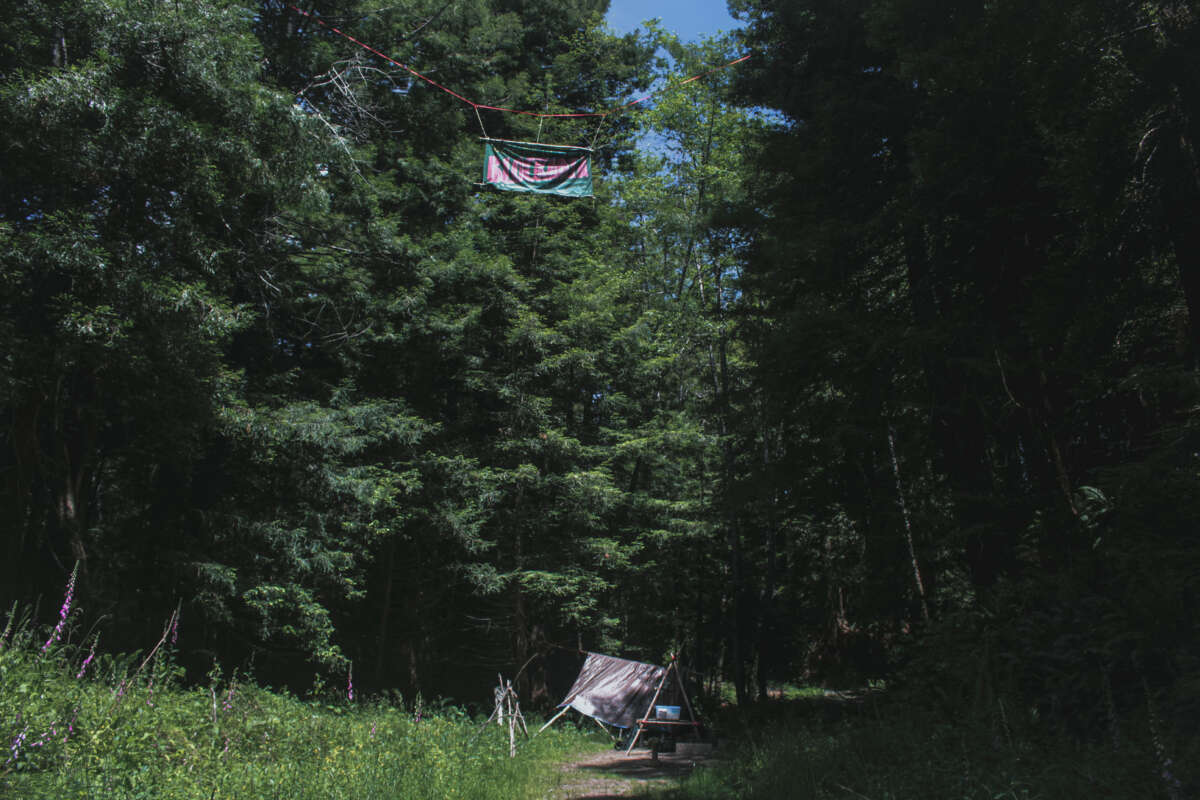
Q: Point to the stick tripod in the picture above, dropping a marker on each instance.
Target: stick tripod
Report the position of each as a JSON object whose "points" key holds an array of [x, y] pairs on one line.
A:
{"points": [[508, 706]]}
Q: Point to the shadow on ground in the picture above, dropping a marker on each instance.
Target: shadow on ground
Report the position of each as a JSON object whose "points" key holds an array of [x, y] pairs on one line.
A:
{"points": [[613, 774], [640, 765]]}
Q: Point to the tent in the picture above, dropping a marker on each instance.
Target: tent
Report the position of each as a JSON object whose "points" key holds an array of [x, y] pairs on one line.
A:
{"points": [[626, 694]]}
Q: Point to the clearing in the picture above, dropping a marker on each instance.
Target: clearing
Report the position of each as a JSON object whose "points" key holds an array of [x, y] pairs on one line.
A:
{"points": [[610, 774]]}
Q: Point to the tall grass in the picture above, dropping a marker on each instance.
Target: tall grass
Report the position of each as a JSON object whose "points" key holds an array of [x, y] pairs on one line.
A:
{"points": [[123, 727], [883, 750]]}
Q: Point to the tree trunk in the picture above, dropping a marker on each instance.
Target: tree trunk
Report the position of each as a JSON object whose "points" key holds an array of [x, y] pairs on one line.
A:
{"points": [[1181, 198], [955, 419], [908, 535], [768, 632], [381, 642]]}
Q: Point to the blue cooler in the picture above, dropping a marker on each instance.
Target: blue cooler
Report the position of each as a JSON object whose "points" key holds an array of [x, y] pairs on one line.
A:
{"points": [[666, 712]]}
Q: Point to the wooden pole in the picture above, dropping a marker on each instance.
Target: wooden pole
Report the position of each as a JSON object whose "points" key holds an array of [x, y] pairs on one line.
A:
{"points": [[646, 714], [492, 717], [606, 730], [513, 725], [683, 693], [517, 710], [497, 711], [554, 719]]}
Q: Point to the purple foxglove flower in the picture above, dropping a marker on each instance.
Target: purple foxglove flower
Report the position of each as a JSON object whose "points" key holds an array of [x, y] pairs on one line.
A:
{"points": [[91, 654], [63, 612]]}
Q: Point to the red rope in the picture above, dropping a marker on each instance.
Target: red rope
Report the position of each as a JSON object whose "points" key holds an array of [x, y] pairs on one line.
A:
{"points": [[682, 82], [478, 106], [384, 56], [535, 113]]}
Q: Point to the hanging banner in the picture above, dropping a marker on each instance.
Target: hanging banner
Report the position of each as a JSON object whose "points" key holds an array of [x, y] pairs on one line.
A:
{"points": [[538, 168]]}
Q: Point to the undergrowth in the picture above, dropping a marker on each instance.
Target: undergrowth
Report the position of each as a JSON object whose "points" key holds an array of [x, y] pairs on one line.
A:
{"points": [[77, 723], [894, 749]]}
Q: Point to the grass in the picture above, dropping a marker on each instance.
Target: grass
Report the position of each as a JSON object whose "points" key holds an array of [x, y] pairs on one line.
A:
{"points": [[123, 728], [793, 692], [77, 724], [874, 748]]}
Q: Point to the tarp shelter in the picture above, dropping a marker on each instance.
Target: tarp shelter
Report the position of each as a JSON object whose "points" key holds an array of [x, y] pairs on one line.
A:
{"points": [[624, 694], [613, 690]]}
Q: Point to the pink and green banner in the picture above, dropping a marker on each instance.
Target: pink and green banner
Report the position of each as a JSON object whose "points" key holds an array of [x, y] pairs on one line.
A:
{"points": [[538, 168]]}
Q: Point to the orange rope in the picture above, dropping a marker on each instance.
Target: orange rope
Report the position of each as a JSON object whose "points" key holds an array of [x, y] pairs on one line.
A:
{"points": [[478, 106]]}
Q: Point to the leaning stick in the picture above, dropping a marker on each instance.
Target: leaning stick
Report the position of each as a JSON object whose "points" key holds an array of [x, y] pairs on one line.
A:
{"points": [[554, 719]]}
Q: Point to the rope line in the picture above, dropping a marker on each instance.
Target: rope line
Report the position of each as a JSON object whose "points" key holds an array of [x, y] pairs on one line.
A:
{"points": [[484, 107], [478, 117], [599, 127], [681, 83], [384, 56]]}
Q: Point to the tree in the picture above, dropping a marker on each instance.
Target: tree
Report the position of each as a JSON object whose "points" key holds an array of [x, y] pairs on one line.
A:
{"points": [[975, 267], [493, 317]]}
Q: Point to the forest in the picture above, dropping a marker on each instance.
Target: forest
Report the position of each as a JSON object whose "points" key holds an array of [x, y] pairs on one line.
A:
{"points": [[873, 361]]}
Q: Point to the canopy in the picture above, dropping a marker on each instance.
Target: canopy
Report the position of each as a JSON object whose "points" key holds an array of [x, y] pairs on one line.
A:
{"points": [[538, 168], [613, 690]]}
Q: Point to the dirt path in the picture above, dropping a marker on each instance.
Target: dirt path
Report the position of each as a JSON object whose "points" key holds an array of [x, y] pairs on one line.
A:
{"points": [[613, 774]]}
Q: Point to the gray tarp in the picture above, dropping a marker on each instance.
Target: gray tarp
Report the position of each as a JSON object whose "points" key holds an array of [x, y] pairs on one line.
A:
{"points": [[613, 690]]}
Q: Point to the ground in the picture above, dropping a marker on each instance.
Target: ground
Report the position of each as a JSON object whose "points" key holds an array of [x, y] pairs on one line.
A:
{"points": [[613, 774]]}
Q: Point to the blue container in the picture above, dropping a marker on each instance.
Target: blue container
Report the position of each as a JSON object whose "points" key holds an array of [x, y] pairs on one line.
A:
{"points": [[666, 712]]}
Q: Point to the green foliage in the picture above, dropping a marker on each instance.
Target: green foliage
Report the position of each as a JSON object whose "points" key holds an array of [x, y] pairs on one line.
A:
{"points": [[884, 371], [833, 747], [270, 352], [125, 731], [978, 310], [149, 177]]}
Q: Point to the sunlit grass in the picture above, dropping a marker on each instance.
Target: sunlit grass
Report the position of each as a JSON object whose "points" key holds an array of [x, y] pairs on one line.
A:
{"points": [[127, 729]]}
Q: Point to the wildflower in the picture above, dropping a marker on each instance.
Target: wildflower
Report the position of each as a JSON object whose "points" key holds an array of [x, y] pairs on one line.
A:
{"points": [[17, 743], [71, 725], [91, 654], [175, 628], [64, 611], [227, 705], [350, 683]]}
